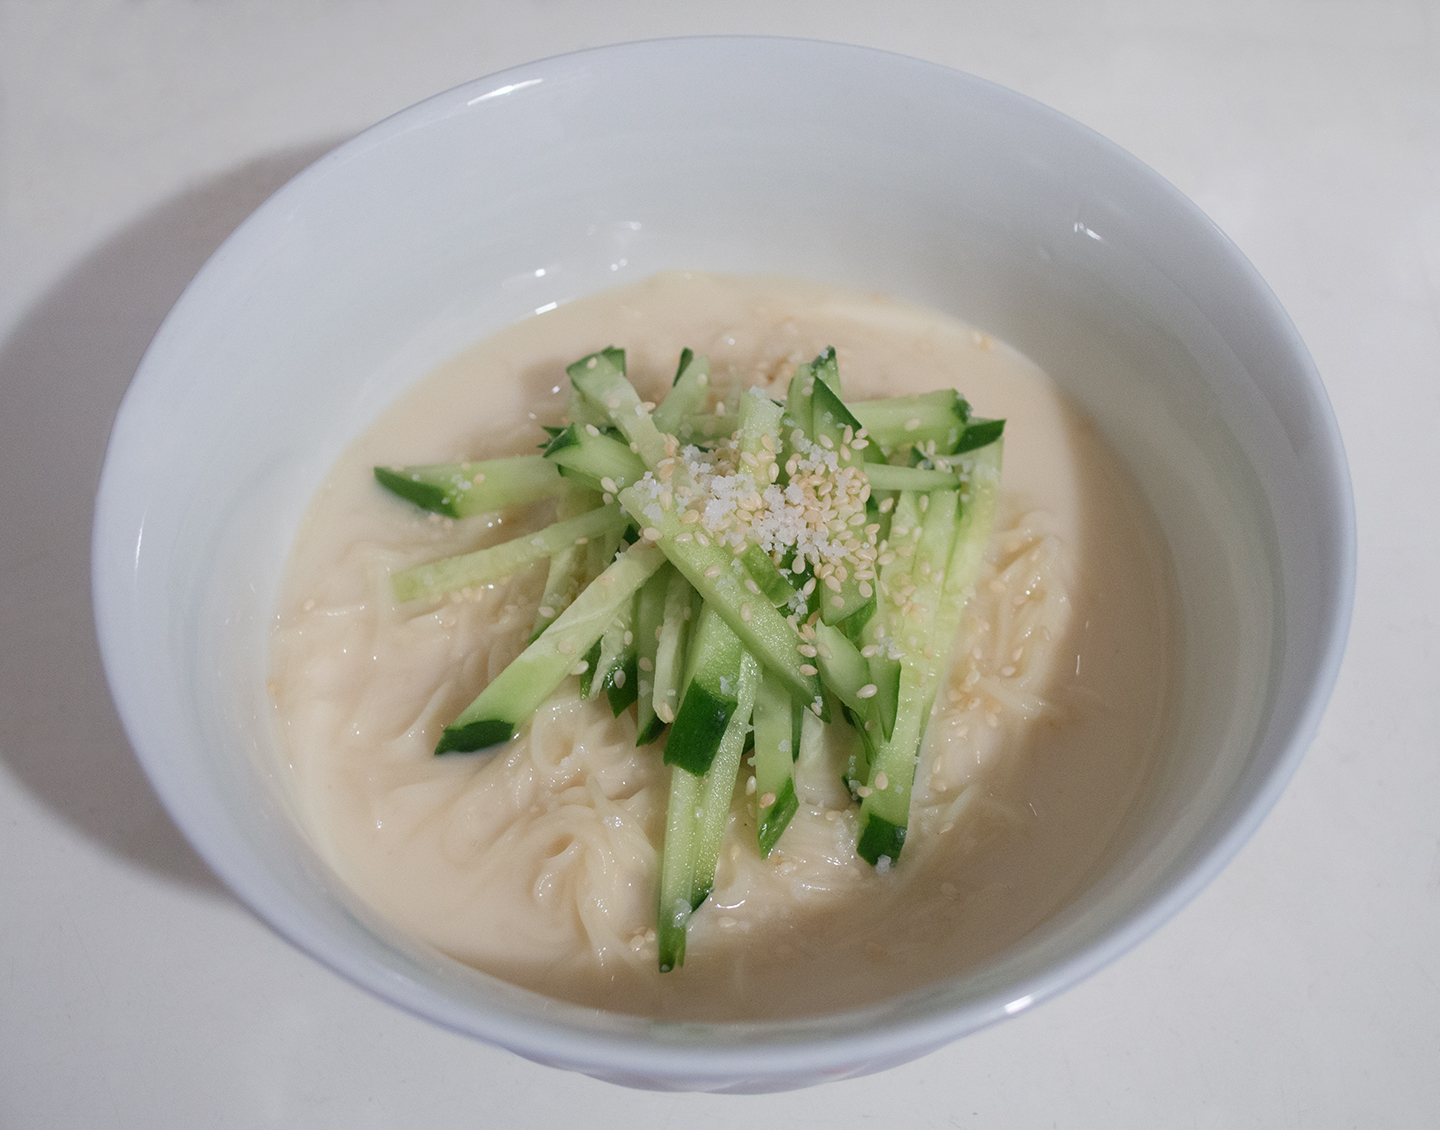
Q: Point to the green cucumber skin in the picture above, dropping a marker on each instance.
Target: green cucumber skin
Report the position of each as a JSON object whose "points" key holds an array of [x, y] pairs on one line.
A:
{"points": [[695, 823], [474, 735], [592, 661], [978, 434], [426, 495], [773, 821], [513, 695], [706, 707], [880, 840], [699, 726], [510, 481], [622, 695]]}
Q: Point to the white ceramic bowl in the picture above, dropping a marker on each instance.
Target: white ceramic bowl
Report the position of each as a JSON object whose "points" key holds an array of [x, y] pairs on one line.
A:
{"points": [[501, 198]]}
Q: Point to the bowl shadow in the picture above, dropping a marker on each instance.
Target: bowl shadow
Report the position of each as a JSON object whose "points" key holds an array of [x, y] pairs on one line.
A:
{"points": [[63, 372]]}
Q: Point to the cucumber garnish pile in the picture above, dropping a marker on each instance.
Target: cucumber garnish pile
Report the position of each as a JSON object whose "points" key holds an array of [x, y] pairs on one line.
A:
{"points": [[742, 575]]}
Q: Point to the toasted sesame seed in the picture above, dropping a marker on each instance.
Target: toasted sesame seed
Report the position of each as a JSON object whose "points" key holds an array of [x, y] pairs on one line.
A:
{"points": [[807, 669], [767, 800], [644, 664]]}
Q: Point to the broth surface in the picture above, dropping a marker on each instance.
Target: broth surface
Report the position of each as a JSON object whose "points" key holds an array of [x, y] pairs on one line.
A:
{"points": [[538, 863]]}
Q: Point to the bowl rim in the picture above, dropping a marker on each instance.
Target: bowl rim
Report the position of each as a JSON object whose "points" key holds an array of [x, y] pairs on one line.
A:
{"points": [[781, 1048]]}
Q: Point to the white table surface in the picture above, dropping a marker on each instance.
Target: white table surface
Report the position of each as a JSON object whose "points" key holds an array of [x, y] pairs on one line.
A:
{"points": [[1302, 989]]}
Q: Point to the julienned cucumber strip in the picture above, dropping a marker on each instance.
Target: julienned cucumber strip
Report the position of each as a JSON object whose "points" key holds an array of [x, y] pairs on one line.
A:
{"points": [[835, 427], [566, 575], [903, 420], [711, 695], [926, 644], [769, 578], [673, 646], [883, 476], [601, 377], [595, 457], [529, 680], [707, 565], [776, 747], [562, 585], [695, 827], [687, 396], [615, 668], [869, 687], [649, 621], [706, 431], [500, 561], [460, 490]]}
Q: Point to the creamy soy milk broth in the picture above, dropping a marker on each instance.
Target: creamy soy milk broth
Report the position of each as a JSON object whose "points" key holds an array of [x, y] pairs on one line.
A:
{"points": [[537, 862]]}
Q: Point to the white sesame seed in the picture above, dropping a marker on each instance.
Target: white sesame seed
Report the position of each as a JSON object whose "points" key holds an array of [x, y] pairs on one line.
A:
{"points": [[869, 690], [807, 669], [546, 611], [912, 424], [592, 429], [713, 571], [652, 534], [882, 782]]}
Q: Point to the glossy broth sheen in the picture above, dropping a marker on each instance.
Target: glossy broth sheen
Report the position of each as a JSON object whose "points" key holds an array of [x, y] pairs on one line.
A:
{"points": [[537, 863]]}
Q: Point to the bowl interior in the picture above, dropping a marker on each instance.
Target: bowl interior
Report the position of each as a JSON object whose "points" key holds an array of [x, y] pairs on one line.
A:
{"points": [[500, 199]]}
